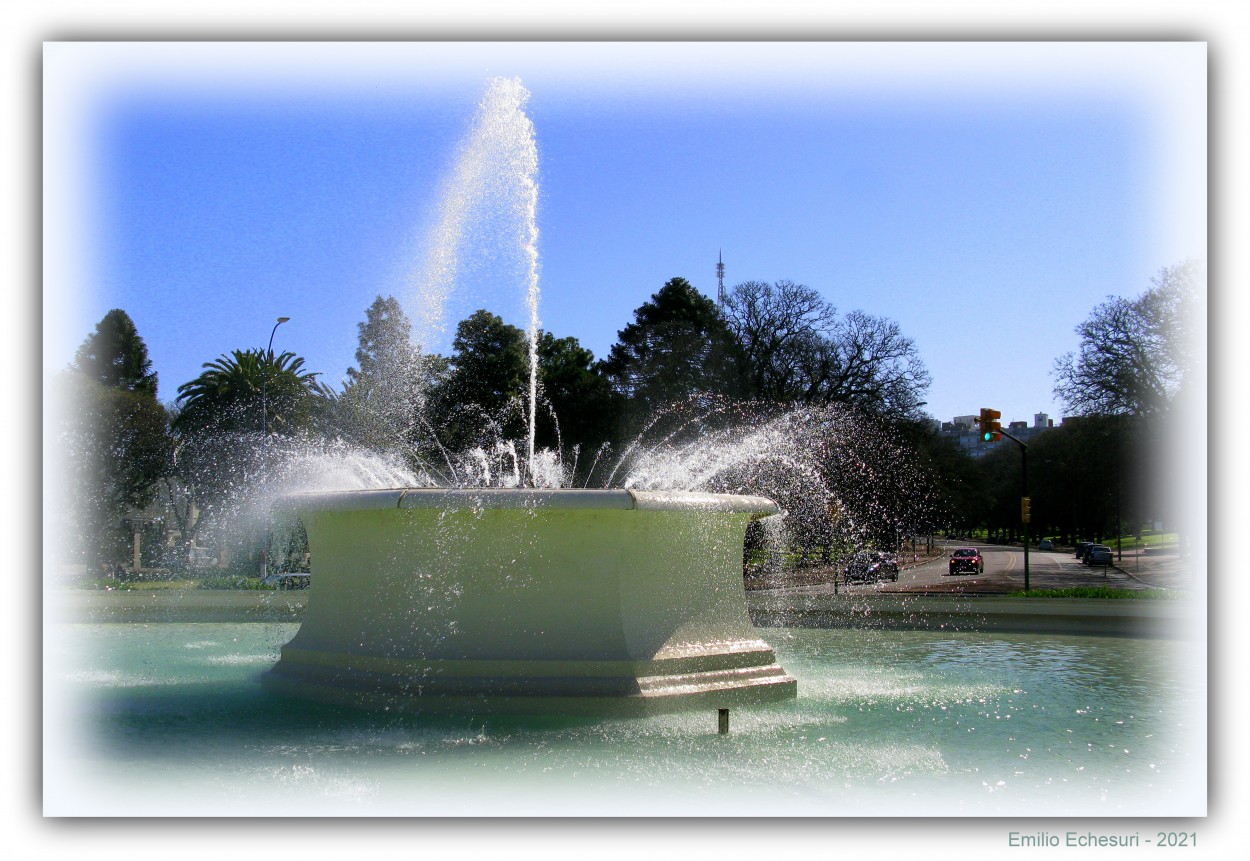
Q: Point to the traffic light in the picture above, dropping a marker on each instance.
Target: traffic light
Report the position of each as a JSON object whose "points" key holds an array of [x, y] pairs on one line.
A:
{"points": [[991, 427]]}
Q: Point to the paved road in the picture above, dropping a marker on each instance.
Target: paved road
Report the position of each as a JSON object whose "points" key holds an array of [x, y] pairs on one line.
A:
{"points": [[1004, 572]]}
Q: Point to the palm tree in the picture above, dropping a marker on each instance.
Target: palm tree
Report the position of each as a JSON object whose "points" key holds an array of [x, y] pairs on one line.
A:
{"points": [[250, 390]]}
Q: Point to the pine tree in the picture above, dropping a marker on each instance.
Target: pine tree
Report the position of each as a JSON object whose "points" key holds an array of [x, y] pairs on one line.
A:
{"points": [[383, 396], [113, 441], [116, 356], [677, 348]]}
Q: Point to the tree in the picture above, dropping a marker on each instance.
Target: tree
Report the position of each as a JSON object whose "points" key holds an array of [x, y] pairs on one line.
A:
{"points": [[870, 364], [886, 489], [677, 348], [1135, 355], [1140, 360], [799, 351], [113, 439], [1083, 478], [216, 468], [250, 391], [577, 396], [954, 501], [780, 328], [1090, 478], [382, 399], [385, 342], [115, 356], [113, 446], [480, 396]]}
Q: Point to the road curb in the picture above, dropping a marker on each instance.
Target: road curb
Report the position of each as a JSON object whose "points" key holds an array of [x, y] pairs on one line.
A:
{"points": [[1089, 616]]}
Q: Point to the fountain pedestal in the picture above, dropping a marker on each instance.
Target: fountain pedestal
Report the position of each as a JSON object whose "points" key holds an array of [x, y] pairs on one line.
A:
{"points": [[612, 601]]}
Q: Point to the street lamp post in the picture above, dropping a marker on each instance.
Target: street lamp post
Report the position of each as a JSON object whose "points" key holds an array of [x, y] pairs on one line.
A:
{"points": [[264, 381]]}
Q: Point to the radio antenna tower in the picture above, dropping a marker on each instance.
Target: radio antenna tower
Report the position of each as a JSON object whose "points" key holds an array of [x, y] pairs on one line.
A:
{"points": [[720, 280]]}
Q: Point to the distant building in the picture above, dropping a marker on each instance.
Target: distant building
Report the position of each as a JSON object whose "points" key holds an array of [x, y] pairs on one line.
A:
{"points": [[966, 431]]}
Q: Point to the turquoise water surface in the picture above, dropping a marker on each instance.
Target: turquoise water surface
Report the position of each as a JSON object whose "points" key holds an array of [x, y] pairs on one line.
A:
{"points": [[170, 719]]}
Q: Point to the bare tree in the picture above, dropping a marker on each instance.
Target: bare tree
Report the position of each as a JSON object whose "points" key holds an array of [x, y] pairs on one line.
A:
{"points": [[1135, 354], [781, 327], [798, 350]]}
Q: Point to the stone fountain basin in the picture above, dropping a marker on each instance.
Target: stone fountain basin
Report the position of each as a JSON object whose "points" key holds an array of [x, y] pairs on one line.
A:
{"points": [[548, 601]]}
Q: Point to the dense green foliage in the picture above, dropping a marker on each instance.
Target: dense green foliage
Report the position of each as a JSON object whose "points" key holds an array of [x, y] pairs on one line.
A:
{"points": [[250, 391], [115, 446], [1090, 478], [677, 349], [382, 397], [116, 357], [482, 395], [578, 408], [114, 442]]}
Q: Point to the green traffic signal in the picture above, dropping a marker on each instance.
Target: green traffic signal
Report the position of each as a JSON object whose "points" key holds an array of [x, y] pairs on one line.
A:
{"points": [[991, 427]]}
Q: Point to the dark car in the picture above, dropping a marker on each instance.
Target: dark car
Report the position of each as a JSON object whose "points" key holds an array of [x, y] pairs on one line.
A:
{"points": [[967, 559], [1098, 554], [889, 564], [871, 565], [1082, 547]]}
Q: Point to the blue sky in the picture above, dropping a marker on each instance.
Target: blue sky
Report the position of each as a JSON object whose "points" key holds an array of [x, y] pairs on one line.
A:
{"points": [[986, 196]]}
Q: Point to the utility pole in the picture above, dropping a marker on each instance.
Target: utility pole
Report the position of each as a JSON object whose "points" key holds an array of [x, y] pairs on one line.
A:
{"points": [[992, 431], [1025, 502]]}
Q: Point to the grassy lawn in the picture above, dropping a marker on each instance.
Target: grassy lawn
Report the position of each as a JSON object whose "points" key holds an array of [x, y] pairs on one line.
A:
{"points": [[1153, 540], [1101, 592]]}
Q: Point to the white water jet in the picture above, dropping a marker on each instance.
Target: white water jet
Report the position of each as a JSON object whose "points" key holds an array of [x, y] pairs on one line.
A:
{"points": [[496, 174], [787, 441], [278, 466]]}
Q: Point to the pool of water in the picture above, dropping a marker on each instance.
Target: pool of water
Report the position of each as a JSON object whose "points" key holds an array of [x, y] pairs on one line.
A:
{"points": [[170, 719]]}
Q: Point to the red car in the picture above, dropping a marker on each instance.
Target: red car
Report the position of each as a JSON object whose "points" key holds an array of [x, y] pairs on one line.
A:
{"points": [[967, 559]]}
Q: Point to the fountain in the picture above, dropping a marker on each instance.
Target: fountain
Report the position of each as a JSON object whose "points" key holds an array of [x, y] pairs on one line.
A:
{"points": [[523, 599], [471, 600]]}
